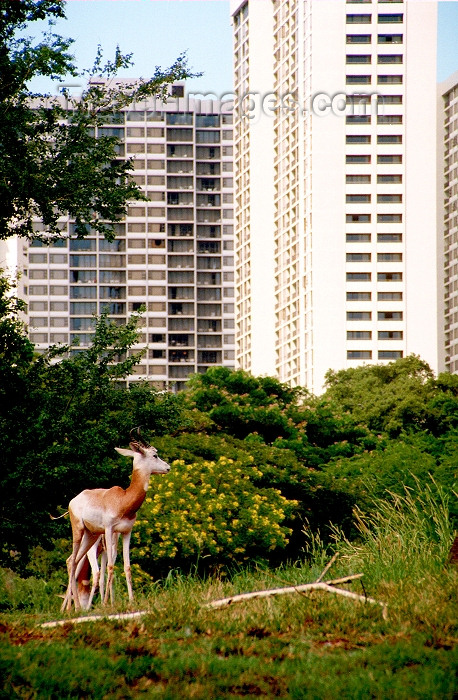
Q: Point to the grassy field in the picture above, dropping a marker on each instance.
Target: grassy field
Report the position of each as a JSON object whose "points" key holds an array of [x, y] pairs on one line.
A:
{"points": [[314, 645]]}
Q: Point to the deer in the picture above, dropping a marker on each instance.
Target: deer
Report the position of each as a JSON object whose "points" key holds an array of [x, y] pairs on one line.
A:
{"points": [[110, 512], [88, 565]]}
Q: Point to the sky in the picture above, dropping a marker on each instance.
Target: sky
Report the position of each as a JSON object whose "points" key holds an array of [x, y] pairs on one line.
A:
{"points": [[157, 31]]}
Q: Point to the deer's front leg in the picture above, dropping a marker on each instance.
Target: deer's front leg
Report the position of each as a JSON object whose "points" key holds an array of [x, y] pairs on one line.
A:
{"points": [[126, 557], [110, 565]]}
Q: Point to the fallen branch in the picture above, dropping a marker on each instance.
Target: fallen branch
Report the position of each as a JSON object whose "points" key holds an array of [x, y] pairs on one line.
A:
{"points": [[321, 586], [327, 567], [94, 618]]}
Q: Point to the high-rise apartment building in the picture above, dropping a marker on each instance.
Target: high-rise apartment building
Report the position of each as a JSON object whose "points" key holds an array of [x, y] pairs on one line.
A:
{"points": [[448, 220], [173, 254], [336, 216]]}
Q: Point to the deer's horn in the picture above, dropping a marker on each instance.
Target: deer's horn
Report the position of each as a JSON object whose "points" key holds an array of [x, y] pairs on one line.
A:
{"points": [[138, 438]]}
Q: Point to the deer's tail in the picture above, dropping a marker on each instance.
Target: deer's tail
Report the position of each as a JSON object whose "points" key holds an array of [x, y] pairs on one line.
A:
{"points": [[58, 516]]}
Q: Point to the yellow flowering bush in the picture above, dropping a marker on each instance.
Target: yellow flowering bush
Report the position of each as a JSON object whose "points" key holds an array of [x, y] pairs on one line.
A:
{"points": [[210, 509]]}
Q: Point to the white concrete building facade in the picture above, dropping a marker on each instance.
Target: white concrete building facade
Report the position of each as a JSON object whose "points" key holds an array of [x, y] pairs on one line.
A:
{"points": [[351, 104], [448, 221], [173, 254]]}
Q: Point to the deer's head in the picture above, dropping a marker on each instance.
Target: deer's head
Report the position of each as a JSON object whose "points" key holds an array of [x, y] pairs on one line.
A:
{"points": [[144, 455]]}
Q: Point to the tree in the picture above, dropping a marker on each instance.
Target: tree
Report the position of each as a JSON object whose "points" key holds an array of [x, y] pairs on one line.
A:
{"points": [[53, 162], [386, 398], [61, 415]]}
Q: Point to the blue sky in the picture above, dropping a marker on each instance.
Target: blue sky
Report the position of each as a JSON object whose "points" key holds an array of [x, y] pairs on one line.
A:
{"points": [[157, 31]]}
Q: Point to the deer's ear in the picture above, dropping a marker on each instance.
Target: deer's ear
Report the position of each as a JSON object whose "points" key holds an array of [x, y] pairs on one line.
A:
{"points": [[124, 452]]}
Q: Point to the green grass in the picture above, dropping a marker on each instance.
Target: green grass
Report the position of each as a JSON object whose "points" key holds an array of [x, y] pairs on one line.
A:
{"points": [[317, 646]]}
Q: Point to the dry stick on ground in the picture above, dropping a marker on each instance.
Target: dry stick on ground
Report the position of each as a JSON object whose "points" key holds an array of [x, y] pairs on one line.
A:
{"points": [[317, 585], [94, 618]]}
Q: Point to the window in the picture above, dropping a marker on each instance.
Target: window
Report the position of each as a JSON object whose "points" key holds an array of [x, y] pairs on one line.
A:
{"points": [[136, 259], [359, 19], [390, 38], [359, 38], [358, 296], [358, 237], [207, 136], [389, 119], [58, 306], [179, 134], [38, 321], [358, 276], [83, 292], [389, 257], [358, 179], [112, 292], [358, 257], [39, 337], [358, 218], [358, 159], [136, 243], [83, 308], [358, 198], [390, 58], [83, 276], [359, 335], [112, 260], [389, 296], [389, 159], [390, 79], [57, 259], [38, 258], [389, 138], [207, 120], [115, 307], [389, 277], [389, 179], [389, 354], [389, 237], [38, 306], [390, 335], [389, 218], [183, 119], [38, 290], [385, 198], [82, 324], [358, 79], [154, 133], [358, 138], [390, 18], [359, 58], [58, 290], [114, 246], [86, 244], [359, 354], [389, 100], [358, 119], [390, 316]]}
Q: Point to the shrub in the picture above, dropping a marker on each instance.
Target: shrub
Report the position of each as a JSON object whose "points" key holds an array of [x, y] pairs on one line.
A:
{"points": [[404, 537], [213, 510]]}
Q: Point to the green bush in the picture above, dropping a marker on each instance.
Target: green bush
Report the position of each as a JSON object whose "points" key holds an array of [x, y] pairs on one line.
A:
{"points": [[213, 510], [403, 537]]}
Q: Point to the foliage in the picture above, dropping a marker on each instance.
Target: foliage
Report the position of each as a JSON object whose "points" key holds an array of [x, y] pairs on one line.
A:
{"points": [[403, 536], [386, 398], [212, 510], [16, 350], [290, 646], [59, 429], [52, 161], [239, 404], [395, 465]]}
